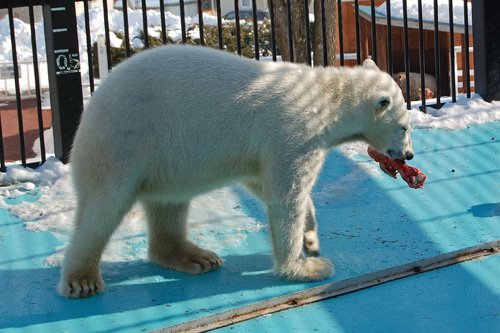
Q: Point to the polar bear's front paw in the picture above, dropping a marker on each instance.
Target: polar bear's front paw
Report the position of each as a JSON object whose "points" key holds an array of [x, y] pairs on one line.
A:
{"points": [[308, 269], [187, 258], [81, 287]]}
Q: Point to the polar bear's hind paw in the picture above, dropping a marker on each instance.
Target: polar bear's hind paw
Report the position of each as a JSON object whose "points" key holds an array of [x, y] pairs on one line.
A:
{"points": [[188, 258]]}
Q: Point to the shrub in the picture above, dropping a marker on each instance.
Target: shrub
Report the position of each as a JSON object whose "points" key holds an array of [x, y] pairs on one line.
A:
{"points": [[210, 34]]}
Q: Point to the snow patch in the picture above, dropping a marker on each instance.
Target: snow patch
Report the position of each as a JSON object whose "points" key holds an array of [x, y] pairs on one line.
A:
{"points": [[216, 221], [459, 115], [428, 10]]}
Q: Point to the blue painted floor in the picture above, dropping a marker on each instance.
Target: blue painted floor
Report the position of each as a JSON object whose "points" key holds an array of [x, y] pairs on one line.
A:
{"points": [[367, 222], [460, 298]]}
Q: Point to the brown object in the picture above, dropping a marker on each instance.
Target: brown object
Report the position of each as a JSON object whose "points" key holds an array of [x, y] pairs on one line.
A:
{"points": [[413, 176], [10, 127], [416, 86]]}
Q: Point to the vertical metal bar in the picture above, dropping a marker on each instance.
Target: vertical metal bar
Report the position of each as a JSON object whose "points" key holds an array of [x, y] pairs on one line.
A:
{"points": [[390, 68], [2, 154], [200, 22], [106, 32], [125, 27], [466, 46], [452, 53], [290, 34], [421, 54], [341, 32], [89, 45], [374, 31], [437, 52], [358, 38], [16, 83], [162, 22], [308, 37], [183, 20], [406, 53], [273, 30], [219, 25], [65, 81], [37, 81], [145, 24], [237, 25], [323, 33], [255, 29]]}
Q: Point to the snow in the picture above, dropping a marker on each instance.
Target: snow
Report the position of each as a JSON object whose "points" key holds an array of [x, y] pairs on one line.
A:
{"points": [[428, 10], [96, 26], [216, 219], [459, 115], [173, 26]]}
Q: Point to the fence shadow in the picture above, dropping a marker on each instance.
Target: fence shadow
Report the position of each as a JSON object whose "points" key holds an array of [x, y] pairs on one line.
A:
{"points": [[366, 223]]}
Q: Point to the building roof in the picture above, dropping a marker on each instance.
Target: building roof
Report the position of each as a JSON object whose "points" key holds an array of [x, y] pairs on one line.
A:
{"points": [[428, 24]]}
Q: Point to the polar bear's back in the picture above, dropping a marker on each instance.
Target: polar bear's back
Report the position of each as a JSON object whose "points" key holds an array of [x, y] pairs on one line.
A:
{"points": [[178, 73], [168, 83], [165, 106]]}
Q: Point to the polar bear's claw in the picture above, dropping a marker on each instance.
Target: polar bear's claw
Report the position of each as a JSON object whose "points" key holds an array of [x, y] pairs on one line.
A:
{"points": [[203, 262], [75, 288]]}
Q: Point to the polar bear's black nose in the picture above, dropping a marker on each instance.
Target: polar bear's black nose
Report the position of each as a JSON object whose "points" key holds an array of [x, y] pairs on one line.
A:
{"points": [[400, 155]]}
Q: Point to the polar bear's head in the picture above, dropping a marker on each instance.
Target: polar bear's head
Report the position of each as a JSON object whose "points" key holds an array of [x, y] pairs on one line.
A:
{"points": [[388, 129]]}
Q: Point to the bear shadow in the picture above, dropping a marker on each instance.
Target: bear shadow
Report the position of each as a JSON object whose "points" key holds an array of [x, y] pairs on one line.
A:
{"points": [[132, 285]]}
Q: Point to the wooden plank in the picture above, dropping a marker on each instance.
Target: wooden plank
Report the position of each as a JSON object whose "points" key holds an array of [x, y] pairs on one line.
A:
{"points": [[334, 289]]}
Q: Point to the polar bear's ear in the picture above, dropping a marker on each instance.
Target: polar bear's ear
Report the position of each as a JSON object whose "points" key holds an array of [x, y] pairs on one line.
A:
{"points": [[382, 103], [370, 64]]}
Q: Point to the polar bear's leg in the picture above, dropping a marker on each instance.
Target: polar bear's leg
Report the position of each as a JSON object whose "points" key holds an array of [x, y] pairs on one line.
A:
{"points": [[311, 240], [287, 230], [287, 185], [168, 243], [96, 219]]}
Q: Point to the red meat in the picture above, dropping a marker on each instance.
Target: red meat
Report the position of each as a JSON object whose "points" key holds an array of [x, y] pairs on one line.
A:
{"points": [[413, 176]]}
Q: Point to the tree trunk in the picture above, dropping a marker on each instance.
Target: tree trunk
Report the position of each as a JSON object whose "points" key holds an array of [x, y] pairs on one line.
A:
{"points": [[299, 45], [331, 33]]}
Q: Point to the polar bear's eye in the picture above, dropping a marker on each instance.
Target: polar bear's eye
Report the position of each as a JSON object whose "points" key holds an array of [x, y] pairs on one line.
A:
{"points": [[404, 128], [382, 104]]}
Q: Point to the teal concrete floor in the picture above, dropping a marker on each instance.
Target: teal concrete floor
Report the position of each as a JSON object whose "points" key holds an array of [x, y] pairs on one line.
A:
{"points": [[367, 222], [459, 298]]}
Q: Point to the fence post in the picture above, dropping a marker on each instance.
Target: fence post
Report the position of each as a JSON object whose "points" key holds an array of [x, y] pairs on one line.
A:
{"points": [[102, 58], [486, 30], [63, 62]]}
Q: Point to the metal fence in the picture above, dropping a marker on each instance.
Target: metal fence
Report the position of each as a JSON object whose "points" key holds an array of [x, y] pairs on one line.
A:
{"points": [[428, 56]]}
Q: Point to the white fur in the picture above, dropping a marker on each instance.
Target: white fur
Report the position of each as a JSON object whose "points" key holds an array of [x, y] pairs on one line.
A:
{"points": [[177, 121]]}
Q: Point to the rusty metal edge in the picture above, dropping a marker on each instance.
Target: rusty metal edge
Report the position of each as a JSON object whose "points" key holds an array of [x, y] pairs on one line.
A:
{"points": [[334, 289]]}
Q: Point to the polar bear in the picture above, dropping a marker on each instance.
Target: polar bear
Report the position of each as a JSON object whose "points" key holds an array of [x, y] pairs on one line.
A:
{"points": [[177, 121]]}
